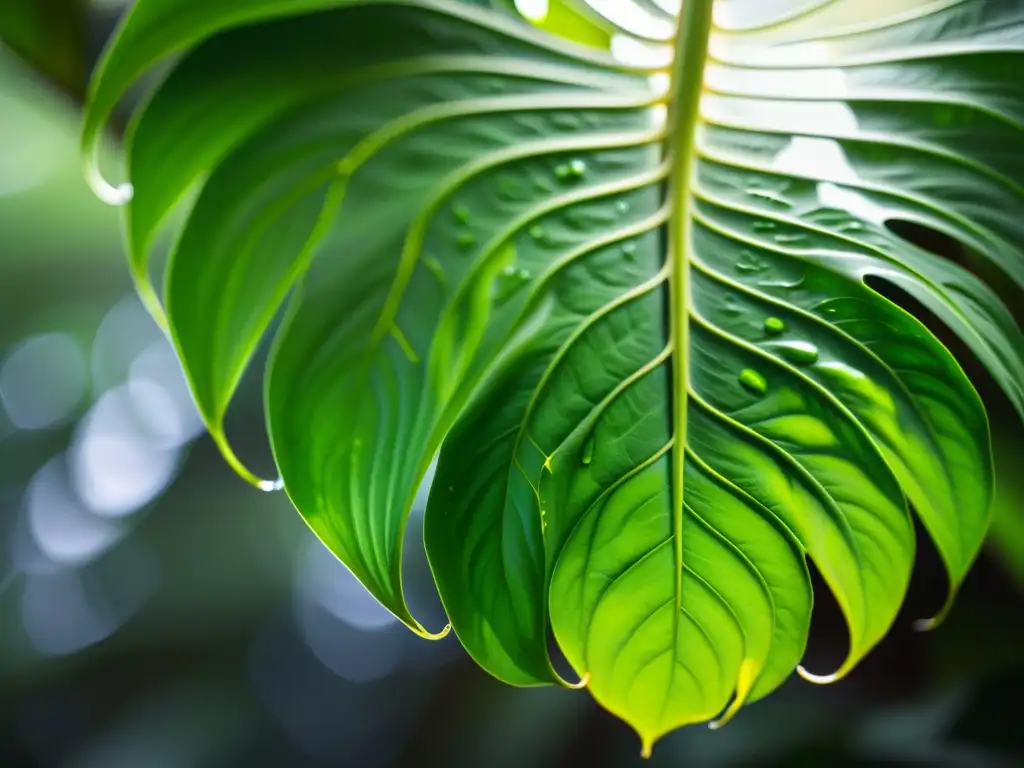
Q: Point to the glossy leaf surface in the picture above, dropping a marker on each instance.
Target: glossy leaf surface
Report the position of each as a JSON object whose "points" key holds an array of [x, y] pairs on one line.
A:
{"points": [[640, 299]]}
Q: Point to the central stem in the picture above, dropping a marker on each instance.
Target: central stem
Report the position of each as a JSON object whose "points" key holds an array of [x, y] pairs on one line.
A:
{"points": [[691, 47]]}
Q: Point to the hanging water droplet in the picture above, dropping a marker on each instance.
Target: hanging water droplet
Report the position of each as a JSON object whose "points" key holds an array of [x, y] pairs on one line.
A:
{"points": [[753, 381], [466, 240], [799, 352], [588, 451], [774, 325], [629, 251], [537, 232], [578, 168], [462, 214], [622, 206]]}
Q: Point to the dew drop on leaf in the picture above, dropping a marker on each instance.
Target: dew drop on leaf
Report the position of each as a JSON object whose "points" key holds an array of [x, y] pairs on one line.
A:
{"points": [[799, 352], [537, 232], [774, 325], [588, 451], [629, 251], [510, 280], [764, 226], [466, 240], [753, 381], [622, 206], [576, 169]]}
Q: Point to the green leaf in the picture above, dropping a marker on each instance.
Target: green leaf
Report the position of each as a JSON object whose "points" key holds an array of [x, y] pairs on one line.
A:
{"points": [[647, 303]]}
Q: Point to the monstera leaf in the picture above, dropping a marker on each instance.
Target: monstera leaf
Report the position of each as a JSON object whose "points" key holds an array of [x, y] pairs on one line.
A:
{"points": [[645, 276]]}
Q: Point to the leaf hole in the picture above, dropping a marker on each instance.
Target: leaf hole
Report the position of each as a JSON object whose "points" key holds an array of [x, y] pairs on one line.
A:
{"points": [[928, 239], [944, 245]]}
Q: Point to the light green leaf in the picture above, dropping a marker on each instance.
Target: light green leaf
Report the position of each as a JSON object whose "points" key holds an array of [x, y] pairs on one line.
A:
{"points": [[641, 300]]}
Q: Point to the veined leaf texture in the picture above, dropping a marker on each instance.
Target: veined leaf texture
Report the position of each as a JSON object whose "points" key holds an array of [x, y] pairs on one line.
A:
{"points": [[624, 265]]}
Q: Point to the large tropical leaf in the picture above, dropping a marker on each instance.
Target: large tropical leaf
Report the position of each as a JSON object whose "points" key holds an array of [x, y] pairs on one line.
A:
{"points": [[632, 271]]}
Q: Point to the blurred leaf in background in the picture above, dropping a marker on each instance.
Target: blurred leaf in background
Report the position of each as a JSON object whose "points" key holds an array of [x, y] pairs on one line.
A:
{"points": [[50, 35]]}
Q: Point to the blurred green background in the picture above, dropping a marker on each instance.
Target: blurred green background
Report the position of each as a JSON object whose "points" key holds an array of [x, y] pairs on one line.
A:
{"points": [[157, 612]]}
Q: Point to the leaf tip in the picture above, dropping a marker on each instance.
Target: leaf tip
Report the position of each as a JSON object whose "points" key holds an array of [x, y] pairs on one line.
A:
{"points": [[104, 190], [426, 634], [221, 441], [748, 673], [645, 748], [926, 625], [583, 683], [817, 679]]}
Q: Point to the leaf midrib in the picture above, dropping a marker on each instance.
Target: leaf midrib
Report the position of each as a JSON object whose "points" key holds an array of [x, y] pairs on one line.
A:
{"points": [[691, 48]]}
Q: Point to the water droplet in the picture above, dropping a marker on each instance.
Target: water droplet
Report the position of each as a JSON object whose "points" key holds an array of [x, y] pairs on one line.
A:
{"points": [[466, 240], [770, 196], [537, 232], [622, 206], [510, 280], [629, 251], [788, 239], [764, 226], [588, 451], [461, 212], [575, 169], [753, 381], [774, 325], [799, 352]]}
